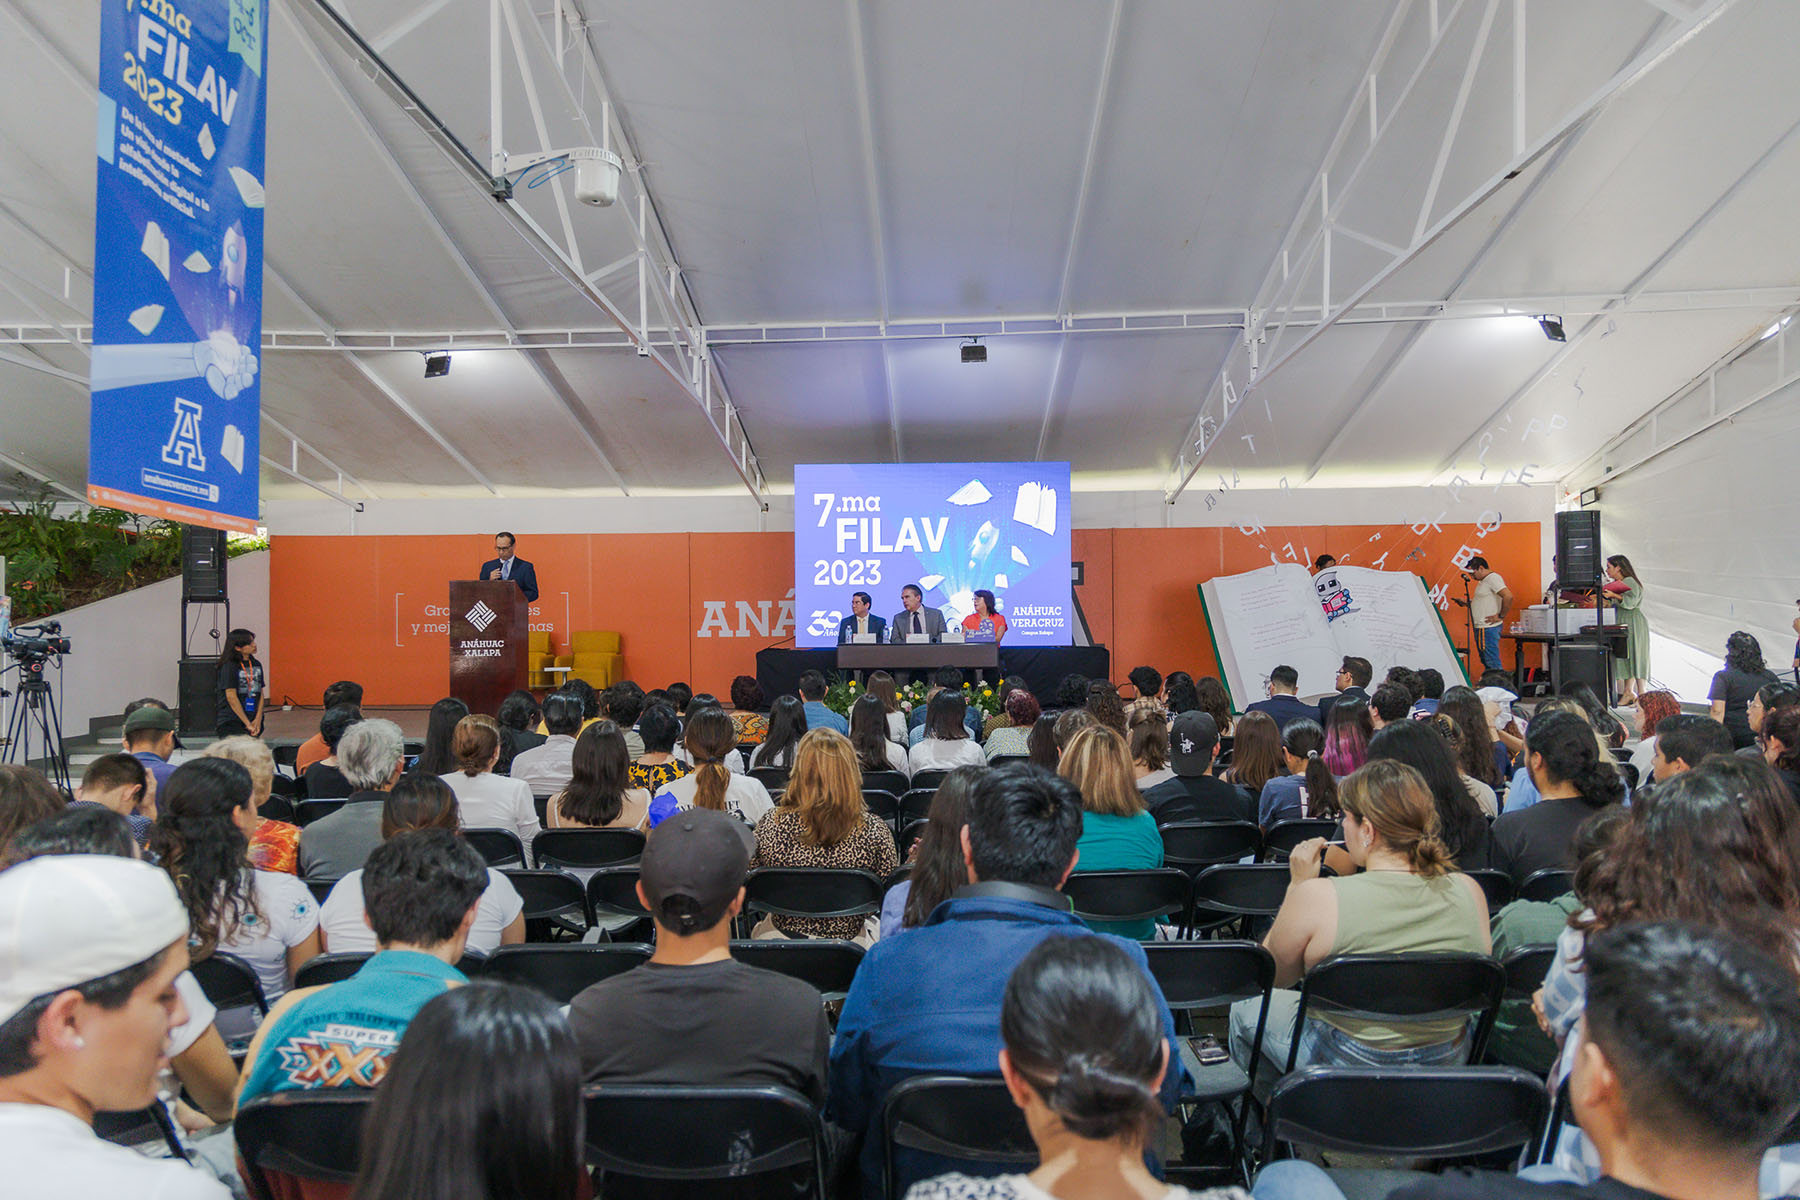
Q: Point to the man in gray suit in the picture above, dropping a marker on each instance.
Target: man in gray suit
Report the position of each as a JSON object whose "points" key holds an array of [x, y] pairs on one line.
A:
{"points": [[915, 618]]}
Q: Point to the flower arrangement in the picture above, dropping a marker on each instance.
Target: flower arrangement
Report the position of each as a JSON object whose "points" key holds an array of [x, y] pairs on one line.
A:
{"points": [[844, 692]]}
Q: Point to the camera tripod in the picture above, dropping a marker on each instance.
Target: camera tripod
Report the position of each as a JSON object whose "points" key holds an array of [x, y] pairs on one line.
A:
{"points": [[35, 720]]}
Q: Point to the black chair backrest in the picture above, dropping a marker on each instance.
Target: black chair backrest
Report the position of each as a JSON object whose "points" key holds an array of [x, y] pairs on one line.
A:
{"points": [[882, 803], [1195, 845], [1497, 886], [500, 847], [613, 890], [902, 873], [549, 893], [331, 968], [928, 780], [773, 778], [412, 749], [1547, 884], [1209, 974], [308, 811], [1526, 968], [952, 1116], [1283, 836], [283, 791], [306, 1134], [1240, 889], [561, 972], [915, 805], [910, 836], [887, 781], [812, 892], [557, 848], [827, 965], [320, 888], [1408, 1112], [286, 756], [229, 982], [1418, 986], [701, 1133], [1130, 895]]}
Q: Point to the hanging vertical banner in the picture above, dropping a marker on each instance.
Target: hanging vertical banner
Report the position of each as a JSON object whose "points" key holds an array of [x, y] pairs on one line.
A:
{"points": [[178, 237]]}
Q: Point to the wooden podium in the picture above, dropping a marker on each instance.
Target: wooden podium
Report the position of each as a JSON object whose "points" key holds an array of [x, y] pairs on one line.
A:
{"points": [[488, 642]]}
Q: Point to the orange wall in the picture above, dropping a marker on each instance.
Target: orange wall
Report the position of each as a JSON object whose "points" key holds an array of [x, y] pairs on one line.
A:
{"points": [[697, 606]]}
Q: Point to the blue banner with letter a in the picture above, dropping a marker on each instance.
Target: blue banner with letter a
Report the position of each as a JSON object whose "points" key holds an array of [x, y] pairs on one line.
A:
{"points": [[178, 241]]}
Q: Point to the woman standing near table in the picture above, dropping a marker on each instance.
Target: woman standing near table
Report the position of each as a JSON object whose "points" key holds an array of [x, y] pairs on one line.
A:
{"points": [[241, 687], [985, 619], [1625, 590]]}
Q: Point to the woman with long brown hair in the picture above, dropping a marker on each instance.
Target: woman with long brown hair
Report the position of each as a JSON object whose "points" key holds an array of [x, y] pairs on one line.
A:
{"points": [[710, 738], [882, 686], [1256, 755], [937, 862], [1117, 831], [1403, 896], [822, 822], [875, 750], [600, 794]]}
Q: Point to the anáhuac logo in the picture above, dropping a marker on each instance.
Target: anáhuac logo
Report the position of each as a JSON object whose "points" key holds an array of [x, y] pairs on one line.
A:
{"points": [[481, 616]]}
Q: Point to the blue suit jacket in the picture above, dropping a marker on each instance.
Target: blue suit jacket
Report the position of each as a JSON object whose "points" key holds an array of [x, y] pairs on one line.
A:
{"points": [[523, 574], [877, 626]]}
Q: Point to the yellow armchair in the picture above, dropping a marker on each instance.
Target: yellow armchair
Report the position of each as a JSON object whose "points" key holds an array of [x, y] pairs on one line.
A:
{"points": [[539, 656], [596, 657]]}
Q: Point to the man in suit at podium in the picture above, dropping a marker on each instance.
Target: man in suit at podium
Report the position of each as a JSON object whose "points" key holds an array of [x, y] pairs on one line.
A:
{"points": [[506, 565], [915, 618], [859, 620]]}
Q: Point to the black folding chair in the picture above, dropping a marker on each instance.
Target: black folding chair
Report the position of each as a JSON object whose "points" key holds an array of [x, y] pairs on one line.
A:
{"points": [[1131, 895], [412, 749], [928, 780], [284, 790], [1496, 886], [331, 968], [773, 778], [915, 805], [1283, 836], [882, 803], [307, 1135], [811, 892], [229, 982], [826, 964], [500, 847], [901, 874], [1526, 968], [1409, 1112], [612, 892], [586, 849], [1237, 893], [308, 811], [562, 972], [910, 836], [1547, 884], [748, 1142], [1195, 845], [886, 781], [952, 1116], [1404, 988], [320, 888], [554, 900], [286, 756], [1203, 976]]}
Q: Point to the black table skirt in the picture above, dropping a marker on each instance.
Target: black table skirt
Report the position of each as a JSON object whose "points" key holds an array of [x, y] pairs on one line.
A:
{"points": [[1041, 667]]}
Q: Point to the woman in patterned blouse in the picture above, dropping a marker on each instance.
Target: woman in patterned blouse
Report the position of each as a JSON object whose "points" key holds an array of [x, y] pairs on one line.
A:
{"points": [[822, 822], [659, 726]]}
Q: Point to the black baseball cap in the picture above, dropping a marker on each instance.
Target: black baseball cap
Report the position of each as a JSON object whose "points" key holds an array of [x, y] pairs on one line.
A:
{"points": [[692, 868], [1193, 737]]}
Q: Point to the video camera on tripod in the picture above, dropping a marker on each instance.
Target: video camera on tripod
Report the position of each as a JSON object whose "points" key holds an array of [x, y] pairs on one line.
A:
{"points": [[35, 722], [33, 644]]}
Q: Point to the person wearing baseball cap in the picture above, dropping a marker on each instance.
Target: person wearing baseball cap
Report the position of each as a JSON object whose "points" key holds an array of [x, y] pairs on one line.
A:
{"points": [[693, 1014], [150, 737], [90, 948], [1195, 794]]}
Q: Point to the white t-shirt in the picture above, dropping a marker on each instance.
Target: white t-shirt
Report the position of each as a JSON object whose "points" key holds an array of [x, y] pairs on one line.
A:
{"points": [[200, 1012], [899, 760], [734, 761], [745, 796], [897, 727], [939, 754], [1484, 601], [51, 1155], [341, 917], [290, 914], [490, 801]]}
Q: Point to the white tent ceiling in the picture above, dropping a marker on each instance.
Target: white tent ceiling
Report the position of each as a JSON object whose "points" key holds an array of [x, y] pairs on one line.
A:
{"points": [[848, 185]]}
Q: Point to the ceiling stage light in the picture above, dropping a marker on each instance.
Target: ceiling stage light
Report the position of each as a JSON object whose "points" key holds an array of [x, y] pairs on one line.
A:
{"points": [[1552, 327], [974, 352], [437, 364]]}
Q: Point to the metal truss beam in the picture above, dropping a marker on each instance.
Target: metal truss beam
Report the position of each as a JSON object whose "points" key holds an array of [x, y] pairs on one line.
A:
{"points": [[859, 64], [1416, 32]]}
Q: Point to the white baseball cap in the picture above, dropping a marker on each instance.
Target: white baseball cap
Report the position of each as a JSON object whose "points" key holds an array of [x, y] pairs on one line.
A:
{"points": [[66, 919]]}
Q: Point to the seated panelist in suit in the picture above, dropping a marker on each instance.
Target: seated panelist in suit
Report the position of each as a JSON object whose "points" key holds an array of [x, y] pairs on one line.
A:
{"points": [[859, 620], [506, 565], [915, 618]]}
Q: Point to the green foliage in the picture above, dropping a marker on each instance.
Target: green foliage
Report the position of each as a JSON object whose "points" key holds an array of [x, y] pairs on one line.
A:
{"points": [[844, 692], [55, 563]]}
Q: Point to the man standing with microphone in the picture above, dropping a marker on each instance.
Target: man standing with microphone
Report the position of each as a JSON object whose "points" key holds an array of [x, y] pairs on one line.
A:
{"points": [[507, 566]]}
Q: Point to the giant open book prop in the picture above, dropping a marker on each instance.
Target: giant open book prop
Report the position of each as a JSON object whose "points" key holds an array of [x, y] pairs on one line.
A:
{"points": [[1284, 614]]}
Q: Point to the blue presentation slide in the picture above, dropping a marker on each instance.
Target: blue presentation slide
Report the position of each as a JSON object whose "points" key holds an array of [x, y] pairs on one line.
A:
{"points": [[951, 528]]}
